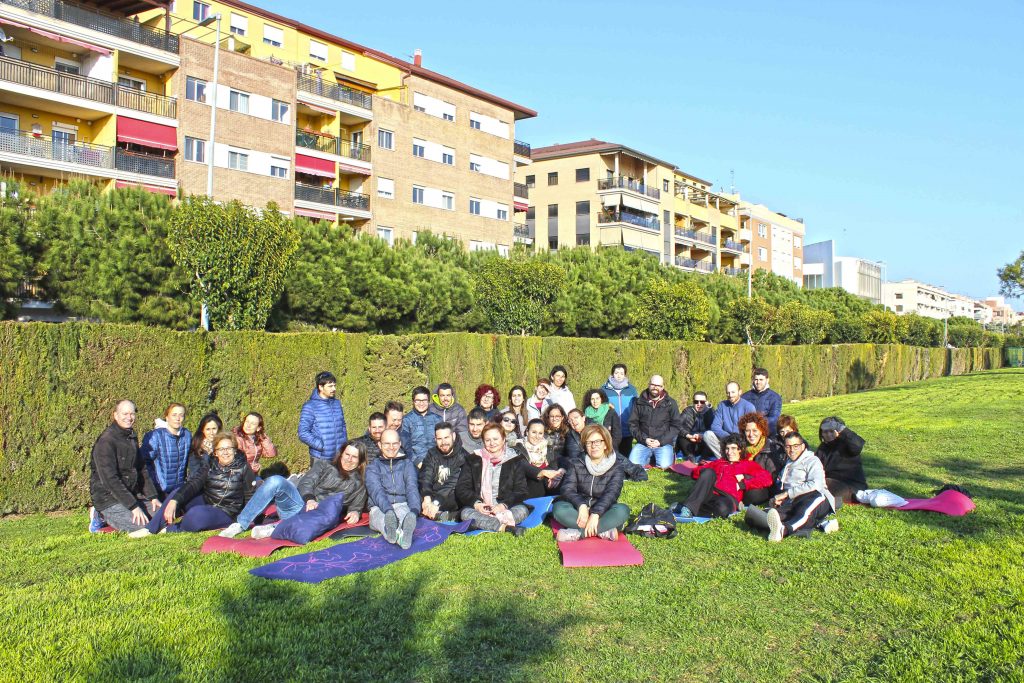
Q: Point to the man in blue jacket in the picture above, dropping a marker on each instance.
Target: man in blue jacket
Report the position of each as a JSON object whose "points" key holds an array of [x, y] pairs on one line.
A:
{"points": [[765, 400], [392, 484], [417, 430], [727, 417], [322, 421]]}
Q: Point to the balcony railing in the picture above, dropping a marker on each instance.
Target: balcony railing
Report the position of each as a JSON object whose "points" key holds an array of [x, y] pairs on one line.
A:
{"points": [[702, 266], [334, 91], [624, 183], [734, 271], [51, 80], [91, 18], [520, 190], [353, 150], [520, 148], [521, 230], [734, 246], [145, 164], [43, 147], [332, 145], [332, 196], [618, 216]]}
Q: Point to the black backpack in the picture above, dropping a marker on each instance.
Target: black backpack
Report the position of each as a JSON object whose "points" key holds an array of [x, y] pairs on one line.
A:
{"points": [[653, 522]]}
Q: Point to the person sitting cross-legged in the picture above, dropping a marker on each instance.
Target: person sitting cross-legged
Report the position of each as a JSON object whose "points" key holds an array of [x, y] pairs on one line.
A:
{"points": [[492, 485], [440, 473], [393, 487], [721, 484], [655, 424], [590, 491]]}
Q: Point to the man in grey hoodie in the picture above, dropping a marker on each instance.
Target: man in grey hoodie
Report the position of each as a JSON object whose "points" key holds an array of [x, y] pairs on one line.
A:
{"points": [[445, 406], [471, 437]]}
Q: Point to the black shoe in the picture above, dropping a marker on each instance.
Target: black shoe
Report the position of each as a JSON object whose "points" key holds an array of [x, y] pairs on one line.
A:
{"points": [[516, 531]]}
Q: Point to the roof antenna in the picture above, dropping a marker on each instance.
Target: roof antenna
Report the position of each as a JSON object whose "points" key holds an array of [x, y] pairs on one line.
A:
{"points": [[732, 181]]}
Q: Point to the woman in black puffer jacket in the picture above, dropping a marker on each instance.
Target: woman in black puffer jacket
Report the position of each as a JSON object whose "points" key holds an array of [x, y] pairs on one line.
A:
{"points": [[590, 491]]}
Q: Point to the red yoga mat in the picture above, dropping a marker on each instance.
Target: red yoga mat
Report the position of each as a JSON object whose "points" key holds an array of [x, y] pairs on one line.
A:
{"points": [[263, 547], [684, 468], [597, 552]]}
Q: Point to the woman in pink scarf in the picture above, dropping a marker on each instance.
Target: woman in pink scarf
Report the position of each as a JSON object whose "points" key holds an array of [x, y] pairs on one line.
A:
{"points": [[492, 485]]}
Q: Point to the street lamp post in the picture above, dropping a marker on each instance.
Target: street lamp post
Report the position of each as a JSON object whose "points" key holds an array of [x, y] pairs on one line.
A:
{"points": [[204, 315]]}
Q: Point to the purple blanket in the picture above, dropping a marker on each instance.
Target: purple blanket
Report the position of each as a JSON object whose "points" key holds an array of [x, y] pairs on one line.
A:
{"points": [[358, 556]]}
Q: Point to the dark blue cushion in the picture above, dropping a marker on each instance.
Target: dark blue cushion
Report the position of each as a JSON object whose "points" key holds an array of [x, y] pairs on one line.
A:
{"points": [[307, 525]]}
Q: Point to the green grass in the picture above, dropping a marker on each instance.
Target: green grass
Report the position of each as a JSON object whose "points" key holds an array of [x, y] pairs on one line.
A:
{"points": [[893, 596]]}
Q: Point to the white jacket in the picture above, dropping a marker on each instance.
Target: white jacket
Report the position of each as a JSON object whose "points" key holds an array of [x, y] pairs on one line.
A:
{"points": [[803, 475]]}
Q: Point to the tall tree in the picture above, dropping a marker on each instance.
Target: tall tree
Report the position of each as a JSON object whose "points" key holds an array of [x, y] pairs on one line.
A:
{"points": [[1011, 278], [19, 242]]}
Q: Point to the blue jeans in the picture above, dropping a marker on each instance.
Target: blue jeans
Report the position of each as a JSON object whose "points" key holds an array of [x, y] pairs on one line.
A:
{"points": [[664, 455], [276, 490]]}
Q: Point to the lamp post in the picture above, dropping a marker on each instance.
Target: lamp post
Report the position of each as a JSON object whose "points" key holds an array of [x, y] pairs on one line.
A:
{"points": [[204, 316]]}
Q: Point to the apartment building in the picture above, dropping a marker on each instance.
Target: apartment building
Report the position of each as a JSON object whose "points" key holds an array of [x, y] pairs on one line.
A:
{"points": [[126, 93], [822, 268], [776, 240], [598, 193], [911, 296]]}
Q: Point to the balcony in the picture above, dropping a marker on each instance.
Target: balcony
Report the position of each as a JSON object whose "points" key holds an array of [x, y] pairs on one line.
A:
{"points": [[694, 236], [83, 87], [521, 149], [332, 196], [520, 190], [91, 18], [623, 183], [145, 164], [690, 264], [732, 245], [521, 233], [329, 144], [333, 91], [735, 271], [621, 216]]}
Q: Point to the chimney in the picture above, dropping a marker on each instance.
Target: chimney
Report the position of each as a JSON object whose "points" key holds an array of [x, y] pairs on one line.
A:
{"points": [[417, 57]]}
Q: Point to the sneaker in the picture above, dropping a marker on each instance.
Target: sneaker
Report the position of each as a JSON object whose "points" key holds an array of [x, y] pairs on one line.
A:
{"points": [[684, 512], [831, 526], [774, 526], [446, 516], [263, 530], [516, 531], [568, 535], [406, 533], [233, 530], [610, 535], [139, 533], [96, 522], [390, 526]]}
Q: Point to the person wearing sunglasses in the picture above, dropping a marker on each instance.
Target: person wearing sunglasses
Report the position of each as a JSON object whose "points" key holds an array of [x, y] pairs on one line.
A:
{"points": [[509, 423], [694, 421], [589, 504]]}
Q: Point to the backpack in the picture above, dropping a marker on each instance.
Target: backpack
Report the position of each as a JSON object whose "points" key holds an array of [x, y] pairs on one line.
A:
{"points": [[653, 522]]}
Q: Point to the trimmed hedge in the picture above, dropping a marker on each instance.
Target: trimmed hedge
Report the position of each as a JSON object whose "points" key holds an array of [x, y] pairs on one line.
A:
{"points": [[59, 382]]}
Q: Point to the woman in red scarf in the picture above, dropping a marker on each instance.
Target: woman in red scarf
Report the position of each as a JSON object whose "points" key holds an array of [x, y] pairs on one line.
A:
{"points": [[492, 485]]}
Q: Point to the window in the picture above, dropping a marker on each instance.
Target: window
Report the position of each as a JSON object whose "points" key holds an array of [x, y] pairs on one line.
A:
{"points": [[762, 230], [195, 150], [200, 11], [239, 24], [664, 186], [279, 111], [797, 262], [448, 156], [448, 201], [899, 295], [418, 107], [553, 243], [131, 83], [899, 308], [474, 207], [553, 178], [386, 188], [317, 50], [531, 181], [273, 35], [195, 89], [474, 123], [582, 175], [238, 161], [418, 150], [279, 168], [502, 213], [474, 166], [447, 116], [582, 239], [67, 66], [797, 242], [239, 101], [762, 254], [348, 61], [385, 139], [386, 234], [8, 123], [417, 195]]}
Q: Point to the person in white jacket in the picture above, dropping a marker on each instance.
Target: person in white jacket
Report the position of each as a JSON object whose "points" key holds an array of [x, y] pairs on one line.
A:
{"points": [[559, 391]]}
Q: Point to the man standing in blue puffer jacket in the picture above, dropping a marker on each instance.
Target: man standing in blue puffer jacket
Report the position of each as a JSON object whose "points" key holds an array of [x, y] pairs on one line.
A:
{"points": [[322, 421]]}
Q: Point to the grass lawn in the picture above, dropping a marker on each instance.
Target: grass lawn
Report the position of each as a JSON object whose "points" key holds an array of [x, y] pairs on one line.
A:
{"points": [[892, 596]]}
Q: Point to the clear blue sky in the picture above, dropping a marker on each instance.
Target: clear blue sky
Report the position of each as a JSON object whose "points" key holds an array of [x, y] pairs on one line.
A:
{"points": [[895, 128]]}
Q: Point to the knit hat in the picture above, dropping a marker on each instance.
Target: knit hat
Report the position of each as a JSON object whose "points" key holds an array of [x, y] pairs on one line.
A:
{"points": [[832, 424]]}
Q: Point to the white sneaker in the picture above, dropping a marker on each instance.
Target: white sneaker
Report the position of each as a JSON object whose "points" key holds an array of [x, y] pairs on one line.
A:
{"points": [[774, 526], [831, 526], [139, 533], [233, 530], [568, 535], [263, 530]]}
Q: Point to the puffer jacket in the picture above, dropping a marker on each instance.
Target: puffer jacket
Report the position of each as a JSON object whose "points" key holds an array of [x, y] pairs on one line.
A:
{"points": [[255, 447], [622, 402], [655, 419], [768, 403], [372, 447], [512, 489], [455, 416], [322, 426], [322, 480], [393, 480], [228, 487], [573, 449], [440, 473], [417, 434], [842, 461], [598, 493], [166, 456], [117, 472], [754, 476]]}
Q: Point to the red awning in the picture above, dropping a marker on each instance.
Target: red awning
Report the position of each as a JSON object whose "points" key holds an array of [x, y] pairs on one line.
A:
{"points": [[57, 38], [314, 166], [345, 168], [309, 213], [169, 191], [521, 206], [146, 134]]}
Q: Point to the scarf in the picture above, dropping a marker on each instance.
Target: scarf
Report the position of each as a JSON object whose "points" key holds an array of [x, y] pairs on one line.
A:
{"points": [[487, 483], [751, 450], [601, 466], [597, 414], [208, 445], [616, 384], [537, 454]]}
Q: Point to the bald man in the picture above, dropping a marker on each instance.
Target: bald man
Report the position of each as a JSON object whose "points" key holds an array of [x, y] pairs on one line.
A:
{"points": [[392, 483], [655, 424], [121, 490]]}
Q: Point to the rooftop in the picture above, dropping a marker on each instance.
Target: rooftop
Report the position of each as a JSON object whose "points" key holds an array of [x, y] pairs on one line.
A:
{"points": [[595, 146]]}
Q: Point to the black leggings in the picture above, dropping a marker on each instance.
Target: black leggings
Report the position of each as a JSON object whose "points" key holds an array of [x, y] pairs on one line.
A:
{"points": [[707, 501], [757, 496], [844, 491]]}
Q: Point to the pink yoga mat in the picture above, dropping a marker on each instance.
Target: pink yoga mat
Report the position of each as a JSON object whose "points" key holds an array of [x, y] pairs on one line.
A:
{"points": [[684, 468], [948, 503], [597, 552], [263, 547]]}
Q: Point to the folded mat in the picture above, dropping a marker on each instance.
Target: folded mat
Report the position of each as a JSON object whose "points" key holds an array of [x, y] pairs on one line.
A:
{"points": [[683, 467], [597, 552], [358, 556], [540, 507], [263, 547], [948, 503]]}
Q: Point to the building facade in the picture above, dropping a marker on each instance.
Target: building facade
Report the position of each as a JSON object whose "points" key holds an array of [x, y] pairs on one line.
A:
{"points": [[776, 241], [124, 93], [822, 268]]}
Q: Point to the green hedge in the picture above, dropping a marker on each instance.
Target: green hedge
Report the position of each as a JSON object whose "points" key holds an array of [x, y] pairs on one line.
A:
{"points": [[59, 382]]}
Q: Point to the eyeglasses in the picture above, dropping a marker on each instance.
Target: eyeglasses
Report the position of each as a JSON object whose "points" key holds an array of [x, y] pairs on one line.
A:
{"points": [[595, 442], [793, 446], [225, 450], [510, 420], [656, 386], [697, 402]]}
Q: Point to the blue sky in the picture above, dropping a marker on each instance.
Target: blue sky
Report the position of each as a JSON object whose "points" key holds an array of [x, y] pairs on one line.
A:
{"points": [[895, 128]]}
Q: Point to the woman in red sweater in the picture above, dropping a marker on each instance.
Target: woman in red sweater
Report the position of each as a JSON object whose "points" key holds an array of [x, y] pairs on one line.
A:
{"points": [[721, 484]]}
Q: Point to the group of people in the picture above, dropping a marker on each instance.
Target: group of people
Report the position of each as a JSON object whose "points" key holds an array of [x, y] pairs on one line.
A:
{"points": [[445, 463]]}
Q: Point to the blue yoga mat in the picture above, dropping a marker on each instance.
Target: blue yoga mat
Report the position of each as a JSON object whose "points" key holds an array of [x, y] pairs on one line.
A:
{"points": [[358, 556], [541, 507]]}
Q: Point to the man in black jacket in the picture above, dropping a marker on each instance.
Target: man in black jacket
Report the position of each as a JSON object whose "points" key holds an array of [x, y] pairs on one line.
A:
{"points": [[119, 486], [839, 453], [694, 421], [655, 424], [440, 473], [371, 439]]}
